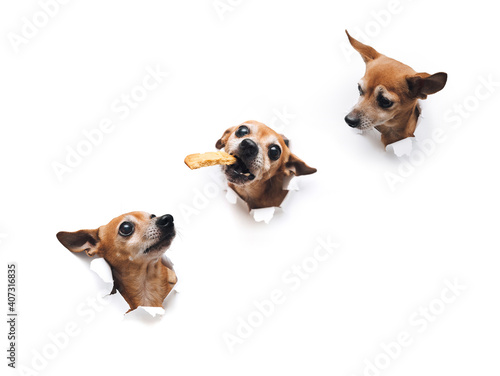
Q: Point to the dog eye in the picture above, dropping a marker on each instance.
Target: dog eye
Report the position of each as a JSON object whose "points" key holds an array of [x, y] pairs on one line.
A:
{"points": [[242, 131], [360, 90], [384, 102], [274, 152], [152, 216], [126, 229]]}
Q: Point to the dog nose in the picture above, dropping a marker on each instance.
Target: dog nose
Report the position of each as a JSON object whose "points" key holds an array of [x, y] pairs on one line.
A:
{"points": [[248, 148], [352, 121], [165, 220]]}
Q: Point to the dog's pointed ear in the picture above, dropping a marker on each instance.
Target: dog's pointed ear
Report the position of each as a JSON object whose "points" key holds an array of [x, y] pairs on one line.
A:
{"points": [[285, 140], [78, 241], [423, 84], [221, 142], [296, 166], [367, 53]]}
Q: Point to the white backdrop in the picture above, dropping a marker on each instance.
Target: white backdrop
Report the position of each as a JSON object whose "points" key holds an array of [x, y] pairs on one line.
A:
{"points": [[379, 302]]}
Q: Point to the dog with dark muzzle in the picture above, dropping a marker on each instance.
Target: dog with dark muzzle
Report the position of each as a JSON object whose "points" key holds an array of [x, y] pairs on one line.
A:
{"points": [[264, 160]]}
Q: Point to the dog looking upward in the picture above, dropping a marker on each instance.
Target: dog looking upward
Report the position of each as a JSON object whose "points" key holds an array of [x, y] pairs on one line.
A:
{"points": [[263, 161], [133, 245]]}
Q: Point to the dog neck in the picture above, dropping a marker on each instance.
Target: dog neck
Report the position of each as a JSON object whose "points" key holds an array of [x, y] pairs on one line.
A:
{"points": [[401, 126], [144, 284], [262, 193]]}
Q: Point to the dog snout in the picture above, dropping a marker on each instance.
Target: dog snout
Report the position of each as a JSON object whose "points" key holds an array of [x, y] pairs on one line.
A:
{"points": [[352, 120], [165, 221], [248, 149]]}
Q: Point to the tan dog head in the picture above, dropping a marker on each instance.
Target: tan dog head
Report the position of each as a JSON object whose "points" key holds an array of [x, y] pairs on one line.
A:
{"points": [[263, 161], [132, 244], [133, 237], [261, 153], [389, 93]]}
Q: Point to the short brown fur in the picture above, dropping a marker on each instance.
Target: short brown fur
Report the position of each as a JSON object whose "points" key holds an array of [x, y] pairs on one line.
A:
{"points": [[401, 84], [266, 190], [142, 280]]}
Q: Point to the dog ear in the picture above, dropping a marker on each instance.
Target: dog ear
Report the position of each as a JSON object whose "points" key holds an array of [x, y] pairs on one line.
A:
{"points": [[367, 53], [285, 140], [423, 84], [78, 241], [297, 166], [222, 141]]}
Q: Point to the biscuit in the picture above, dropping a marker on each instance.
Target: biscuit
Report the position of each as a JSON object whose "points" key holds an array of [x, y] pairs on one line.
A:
{"points": [[194, 161]]}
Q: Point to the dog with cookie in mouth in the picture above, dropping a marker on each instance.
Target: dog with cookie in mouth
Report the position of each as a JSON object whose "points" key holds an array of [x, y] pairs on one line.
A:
{"points": [[263, 161]]}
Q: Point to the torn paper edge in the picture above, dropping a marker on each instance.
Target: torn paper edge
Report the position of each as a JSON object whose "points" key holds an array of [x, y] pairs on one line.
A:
{"points": [[290, 184], [103, 270], [401, 147], [406, 145], [146, 313], [153, 311], [265, 215], [231, 195]]}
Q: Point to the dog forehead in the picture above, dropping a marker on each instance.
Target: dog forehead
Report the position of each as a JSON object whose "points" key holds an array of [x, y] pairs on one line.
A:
{"points": [[264, 133], [135, 217], [387, 72]]}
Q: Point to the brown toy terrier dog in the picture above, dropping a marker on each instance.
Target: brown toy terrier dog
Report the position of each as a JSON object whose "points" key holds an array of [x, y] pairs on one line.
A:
{"points": [[389, 94], [263, 162], [133, 245]]}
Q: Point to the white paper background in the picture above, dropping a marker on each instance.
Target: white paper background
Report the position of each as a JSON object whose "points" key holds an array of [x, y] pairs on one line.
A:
{"points": [[397, 247]]}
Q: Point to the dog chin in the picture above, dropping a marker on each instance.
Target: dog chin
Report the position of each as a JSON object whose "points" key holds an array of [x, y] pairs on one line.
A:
{"points": [[162, 245], [366, 125]]}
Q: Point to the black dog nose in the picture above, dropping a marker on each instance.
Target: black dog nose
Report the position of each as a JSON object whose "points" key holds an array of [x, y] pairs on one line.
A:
{"points": [[248, 148], [352, 121], [165, 220]]}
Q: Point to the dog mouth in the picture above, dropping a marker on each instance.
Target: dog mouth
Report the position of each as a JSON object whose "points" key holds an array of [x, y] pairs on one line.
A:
{"points": [[162, 244], [365, 127], [238, 172]]}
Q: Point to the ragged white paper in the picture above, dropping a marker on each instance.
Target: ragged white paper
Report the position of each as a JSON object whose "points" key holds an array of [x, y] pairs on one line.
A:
{"points": [[103, 270], [266, 214], [401, 147], [263, 214]]}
